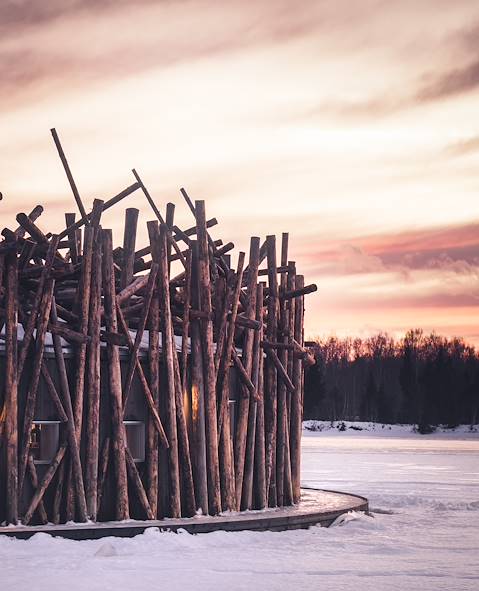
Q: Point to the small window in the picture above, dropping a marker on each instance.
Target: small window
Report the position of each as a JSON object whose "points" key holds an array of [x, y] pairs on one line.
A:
{"points": [[135, 439], [44, 441]]}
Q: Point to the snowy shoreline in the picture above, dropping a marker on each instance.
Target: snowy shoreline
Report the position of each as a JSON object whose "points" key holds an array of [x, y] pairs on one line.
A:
{"points": [[358, 428]]}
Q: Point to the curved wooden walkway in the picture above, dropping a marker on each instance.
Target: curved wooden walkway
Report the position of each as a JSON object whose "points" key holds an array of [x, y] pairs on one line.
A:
{"points": [[317, 507]]}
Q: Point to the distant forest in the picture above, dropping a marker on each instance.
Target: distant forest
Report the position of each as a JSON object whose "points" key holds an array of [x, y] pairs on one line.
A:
{"points": [[422, 379]]}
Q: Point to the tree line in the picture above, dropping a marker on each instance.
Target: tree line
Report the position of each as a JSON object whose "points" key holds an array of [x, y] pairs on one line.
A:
{"points": [[421, 379]]}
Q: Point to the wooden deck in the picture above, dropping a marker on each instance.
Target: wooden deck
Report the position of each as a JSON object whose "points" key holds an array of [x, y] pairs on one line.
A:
{"points": [[317, 507]]}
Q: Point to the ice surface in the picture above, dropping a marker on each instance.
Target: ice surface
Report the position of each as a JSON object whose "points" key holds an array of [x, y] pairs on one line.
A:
{"points": [[424, 535]]}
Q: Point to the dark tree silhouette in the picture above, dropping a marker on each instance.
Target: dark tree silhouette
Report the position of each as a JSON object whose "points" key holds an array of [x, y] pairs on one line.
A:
{"points": [[422, 379]]}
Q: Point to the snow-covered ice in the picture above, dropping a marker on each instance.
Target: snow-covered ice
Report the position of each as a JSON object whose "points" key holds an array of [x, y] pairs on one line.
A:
{"points": [[423, 490]]}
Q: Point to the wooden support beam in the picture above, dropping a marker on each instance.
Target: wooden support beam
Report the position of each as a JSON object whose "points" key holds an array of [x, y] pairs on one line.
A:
{"points": [[159, 244], [198, 447], [243, 403], [11, 389], [129, 241], [259, 482], [93, 379], [271, 402], [297, 398], [114, 372], [206, 329]]}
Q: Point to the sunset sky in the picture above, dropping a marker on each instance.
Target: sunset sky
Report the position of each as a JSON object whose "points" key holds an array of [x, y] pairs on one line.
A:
{"points": [[354, 125]]}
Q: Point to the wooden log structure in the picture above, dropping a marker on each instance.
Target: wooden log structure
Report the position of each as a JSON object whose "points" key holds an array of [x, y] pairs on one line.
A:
{"points": [[146, 381]]}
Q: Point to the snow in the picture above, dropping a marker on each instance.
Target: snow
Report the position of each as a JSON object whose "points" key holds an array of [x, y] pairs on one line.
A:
{"points": [[423, 490]]}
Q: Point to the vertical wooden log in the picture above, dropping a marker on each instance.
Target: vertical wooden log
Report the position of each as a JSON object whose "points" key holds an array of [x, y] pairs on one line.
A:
{"points": [[247, 495], [296, 400], [103, 470], [170, 220], [206, 327], [93, 381], [271, 376], [157, 459], [188, 489], [114, 373], [198, 397], [57, 499], [260, 488], [247, 358], [129, 241], [80, 356], [281, 392], [158, 239], [11, 389], [227, 474], [186, 323], [289, 319], [72, 238]]}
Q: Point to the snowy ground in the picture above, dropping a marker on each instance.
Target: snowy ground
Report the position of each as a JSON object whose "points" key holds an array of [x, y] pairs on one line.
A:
{"points": [[424, 535]]}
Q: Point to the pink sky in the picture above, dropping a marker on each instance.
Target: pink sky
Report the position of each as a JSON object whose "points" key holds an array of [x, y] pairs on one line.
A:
{"points": [[352, 125]]}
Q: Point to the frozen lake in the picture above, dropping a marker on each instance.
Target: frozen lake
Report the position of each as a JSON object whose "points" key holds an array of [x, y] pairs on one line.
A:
{"points": [[424, 535]]}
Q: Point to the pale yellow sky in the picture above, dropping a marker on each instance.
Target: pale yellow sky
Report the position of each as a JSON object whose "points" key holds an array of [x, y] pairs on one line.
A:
{"points": [[352, 125]]}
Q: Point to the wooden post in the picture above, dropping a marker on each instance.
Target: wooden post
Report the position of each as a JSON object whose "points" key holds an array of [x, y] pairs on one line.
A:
{"points": [[102, 470], [271, 378], [57, 498], [84, 293], [296, 400], [198, 396], [282, 358], [247, 356], [93, 381], [11, 386], [158, 241], [114, 374], [206, 327], [260, 489], [129, 241]]}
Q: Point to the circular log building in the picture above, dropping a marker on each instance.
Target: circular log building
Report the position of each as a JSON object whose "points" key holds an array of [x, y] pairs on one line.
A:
{"points": [[147, 382]]}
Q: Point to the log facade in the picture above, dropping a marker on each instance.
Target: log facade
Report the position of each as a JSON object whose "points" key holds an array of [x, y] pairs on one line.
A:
{"points": [[146, 382]]}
